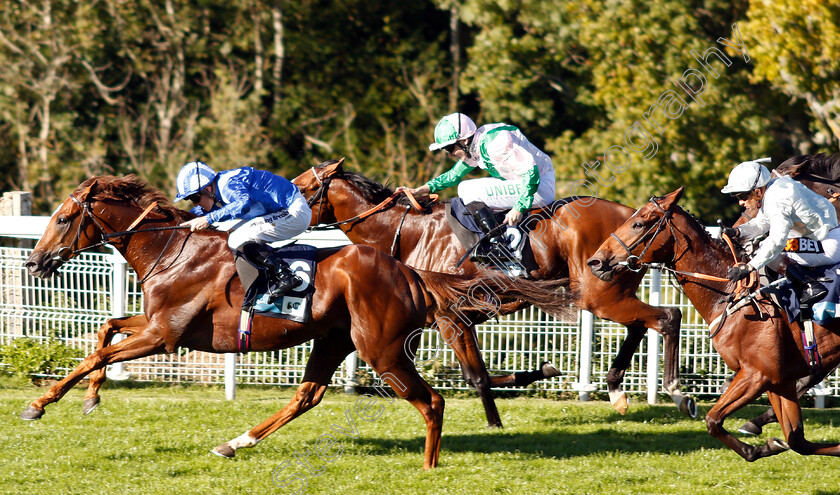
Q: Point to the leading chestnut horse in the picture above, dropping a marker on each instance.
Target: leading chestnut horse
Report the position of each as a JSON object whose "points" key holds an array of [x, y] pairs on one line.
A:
{"points": [[763, 349], [563, 236], [365, 300]]}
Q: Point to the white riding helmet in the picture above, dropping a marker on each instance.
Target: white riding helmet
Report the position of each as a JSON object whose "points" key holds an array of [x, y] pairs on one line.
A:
{"points": [[747, 176], [452, 128], [192, 178]]}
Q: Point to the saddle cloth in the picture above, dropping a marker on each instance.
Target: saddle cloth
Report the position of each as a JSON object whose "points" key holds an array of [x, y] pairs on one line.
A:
{"points": [[295, 305], [460, 219], [825, 309]]}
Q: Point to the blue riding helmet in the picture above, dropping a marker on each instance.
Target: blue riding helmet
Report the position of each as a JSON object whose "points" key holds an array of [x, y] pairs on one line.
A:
{"points": [[192, 178]]}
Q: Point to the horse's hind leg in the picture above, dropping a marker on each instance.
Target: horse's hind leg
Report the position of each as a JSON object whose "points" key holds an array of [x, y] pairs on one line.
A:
{"points": [[141, 344], [408, 384], [327, 354], [104, 336], [755, 425]]}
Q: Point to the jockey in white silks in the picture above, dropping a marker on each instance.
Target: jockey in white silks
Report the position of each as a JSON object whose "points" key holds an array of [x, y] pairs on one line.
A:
{"points": [[522, 176], [270, 208], [801, 226]]}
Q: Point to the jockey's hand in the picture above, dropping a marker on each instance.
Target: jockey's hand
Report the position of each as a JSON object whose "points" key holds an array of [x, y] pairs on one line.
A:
{"points": [[730, 232], [513, 217], [199, 223], [738, 272]]}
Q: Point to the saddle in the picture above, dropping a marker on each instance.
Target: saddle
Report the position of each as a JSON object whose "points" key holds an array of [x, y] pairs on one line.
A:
{"points": [[295, 305]]}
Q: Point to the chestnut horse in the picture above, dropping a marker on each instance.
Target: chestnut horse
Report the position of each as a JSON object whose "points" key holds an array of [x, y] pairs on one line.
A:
{"points": [[821, 174], [763, 349], [365, 300], [563, 236]]}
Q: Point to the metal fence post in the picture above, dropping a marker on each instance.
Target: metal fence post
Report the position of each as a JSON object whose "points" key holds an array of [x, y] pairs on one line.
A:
{"points": [[230, 376], [587, 331], [119, 275], [653, 339], [351, 362]]}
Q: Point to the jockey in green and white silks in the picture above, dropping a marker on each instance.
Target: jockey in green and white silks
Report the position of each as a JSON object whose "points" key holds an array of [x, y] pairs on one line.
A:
{"points": [[522, 175]]}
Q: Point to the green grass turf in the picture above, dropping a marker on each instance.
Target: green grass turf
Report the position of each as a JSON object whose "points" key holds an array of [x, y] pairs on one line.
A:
{"points": [[156, 439]]}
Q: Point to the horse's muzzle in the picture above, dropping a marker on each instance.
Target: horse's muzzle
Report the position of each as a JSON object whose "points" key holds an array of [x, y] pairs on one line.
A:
{"points": [[601, 267], [43, 265]]}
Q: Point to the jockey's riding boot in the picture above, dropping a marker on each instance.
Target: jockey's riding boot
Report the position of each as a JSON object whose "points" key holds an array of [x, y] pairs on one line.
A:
{"points": [[494, 244], [282, 278], [812, 289]]}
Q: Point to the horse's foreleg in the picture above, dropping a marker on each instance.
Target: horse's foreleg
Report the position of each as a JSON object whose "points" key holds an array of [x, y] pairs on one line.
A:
{"points": [[668, 324], [785, 402], [755, 425], [465, 345], [619, 366], [136, 346], [744, 389], [104, 336], [327, 354]]}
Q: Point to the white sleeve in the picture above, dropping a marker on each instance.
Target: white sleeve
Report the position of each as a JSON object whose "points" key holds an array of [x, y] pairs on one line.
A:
{"points": [[779, 212]]}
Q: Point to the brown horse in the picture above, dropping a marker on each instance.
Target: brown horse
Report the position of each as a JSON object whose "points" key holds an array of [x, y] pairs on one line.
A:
{"points": [[821, 174], [365, 300], [564, 235], [763, 349]]}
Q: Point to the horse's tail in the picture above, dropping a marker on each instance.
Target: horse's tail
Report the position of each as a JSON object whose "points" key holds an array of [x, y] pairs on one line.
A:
{"points": [[486, 291]]}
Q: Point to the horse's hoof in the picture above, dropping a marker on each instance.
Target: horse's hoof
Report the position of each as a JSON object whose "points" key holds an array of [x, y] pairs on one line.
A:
{"points": [[688, 406], [549, 370], [777, 445], [619, 402], [749, 428], [90, 404], [224, 450], [31, 414]]}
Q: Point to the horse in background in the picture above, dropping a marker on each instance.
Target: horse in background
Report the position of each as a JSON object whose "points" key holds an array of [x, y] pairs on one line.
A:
{"points": [[765, 351], [365, 301], [563, 236]]}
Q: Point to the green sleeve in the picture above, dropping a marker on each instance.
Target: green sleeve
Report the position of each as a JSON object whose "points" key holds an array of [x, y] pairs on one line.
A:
{"points": [[450, 177], [530, 184]]}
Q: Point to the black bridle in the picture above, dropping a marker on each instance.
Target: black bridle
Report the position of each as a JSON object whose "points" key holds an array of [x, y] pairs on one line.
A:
{"points": [[87, 212], [320, 196], [634, 261]]}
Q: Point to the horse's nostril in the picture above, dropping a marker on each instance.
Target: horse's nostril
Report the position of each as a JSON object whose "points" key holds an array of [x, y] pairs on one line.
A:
{"points": [[594, 263]]}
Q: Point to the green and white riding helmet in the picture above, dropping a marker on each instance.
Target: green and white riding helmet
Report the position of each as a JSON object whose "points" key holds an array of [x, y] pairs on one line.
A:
{"points": [[452, 128]]}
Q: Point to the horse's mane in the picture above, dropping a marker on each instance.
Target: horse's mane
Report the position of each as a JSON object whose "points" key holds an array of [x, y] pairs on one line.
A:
{"points": [[714, 241], [371, 190], [131, 189], [821, 165]]}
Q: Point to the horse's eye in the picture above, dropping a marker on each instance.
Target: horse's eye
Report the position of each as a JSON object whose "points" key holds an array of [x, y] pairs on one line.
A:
{"points": [[638, 225], [62, 220]]}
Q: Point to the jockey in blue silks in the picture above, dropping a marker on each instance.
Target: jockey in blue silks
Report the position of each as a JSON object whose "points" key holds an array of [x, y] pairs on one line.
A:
{"points": [[270, 208]]}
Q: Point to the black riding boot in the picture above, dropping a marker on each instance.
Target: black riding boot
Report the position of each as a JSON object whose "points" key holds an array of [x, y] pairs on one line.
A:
{"points": [[494, 244], [281, 276], [812, 289]]}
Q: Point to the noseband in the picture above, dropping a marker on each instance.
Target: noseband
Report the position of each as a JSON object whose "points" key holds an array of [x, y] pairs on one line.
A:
{"points": [[320, 194], [86, 212], [634, 261]]}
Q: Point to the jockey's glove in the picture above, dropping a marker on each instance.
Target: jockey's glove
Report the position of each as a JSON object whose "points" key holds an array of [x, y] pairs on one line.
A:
{"points": [[738, 272], [730, 232]]}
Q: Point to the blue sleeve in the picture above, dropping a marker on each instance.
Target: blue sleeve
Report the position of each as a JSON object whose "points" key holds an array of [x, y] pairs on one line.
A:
{"points": [[239, 203], [198, 211]]}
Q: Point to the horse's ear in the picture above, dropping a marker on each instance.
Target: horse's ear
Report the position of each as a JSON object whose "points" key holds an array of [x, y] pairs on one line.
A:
{"points": [[793, 170], [334, 168], [672, 198], [88, 191]]}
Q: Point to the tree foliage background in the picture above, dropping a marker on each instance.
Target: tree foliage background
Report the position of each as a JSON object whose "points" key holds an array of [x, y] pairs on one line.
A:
{"points": [[119, 86]]}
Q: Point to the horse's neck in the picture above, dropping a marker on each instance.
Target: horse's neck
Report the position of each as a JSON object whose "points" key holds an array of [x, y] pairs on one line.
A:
{"points": [[377, 230], [144, 251], [696, 252]]}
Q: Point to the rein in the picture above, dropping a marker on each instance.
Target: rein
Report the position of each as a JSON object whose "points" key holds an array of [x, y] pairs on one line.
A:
{"points": [[321, 195], [106, 237]]}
